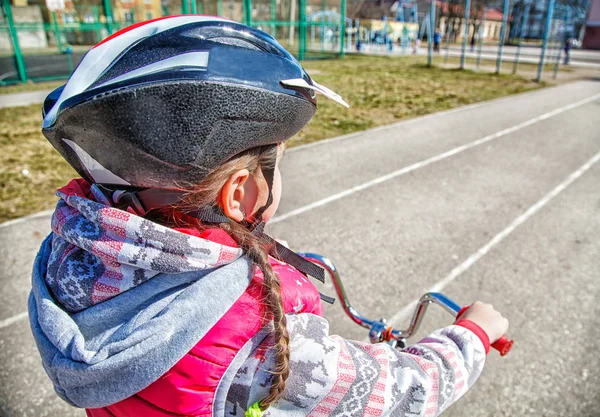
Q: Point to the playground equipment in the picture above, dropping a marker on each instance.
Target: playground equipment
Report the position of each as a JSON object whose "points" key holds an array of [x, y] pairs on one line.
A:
{"points": [[45, 44], [325, 28], [34, 38], [379, 330], [406, 12]]}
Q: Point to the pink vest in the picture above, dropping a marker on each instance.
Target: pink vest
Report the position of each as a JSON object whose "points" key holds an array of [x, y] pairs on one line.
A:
{"points": [[189, 387]]}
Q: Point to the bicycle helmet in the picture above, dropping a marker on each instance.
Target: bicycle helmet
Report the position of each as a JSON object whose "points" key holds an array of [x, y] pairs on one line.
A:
{"points": [[159, 105], [163, 103]]}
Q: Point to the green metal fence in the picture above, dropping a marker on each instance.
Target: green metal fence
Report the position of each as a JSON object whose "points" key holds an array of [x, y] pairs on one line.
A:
{"points": [[37, 44]]}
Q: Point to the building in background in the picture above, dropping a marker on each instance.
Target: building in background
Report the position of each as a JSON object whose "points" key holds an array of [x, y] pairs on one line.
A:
{"points": [[591, 36], [25, 14], [569, 18], [130, 11], [82, 22], [450, 17], [487, 21]]}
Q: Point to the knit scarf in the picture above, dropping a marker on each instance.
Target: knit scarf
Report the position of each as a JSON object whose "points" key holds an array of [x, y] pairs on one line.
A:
{"points": [[99, 252]]}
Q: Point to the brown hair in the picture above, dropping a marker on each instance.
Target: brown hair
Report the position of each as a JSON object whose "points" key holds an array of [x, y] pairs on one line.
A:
{"points": [[206, 194]]}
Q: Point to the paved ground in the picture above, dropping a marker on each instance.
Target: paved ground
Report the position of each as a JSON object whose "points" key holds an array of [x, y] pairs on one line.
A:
{"points": [[585, 55], [579, 58], [40, 65], [498, 201], [23, 99]]}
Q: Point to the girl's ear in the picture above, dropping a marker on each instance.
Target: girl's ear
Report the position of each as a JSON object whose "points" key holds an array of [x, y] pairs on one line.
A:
{"points": [[239, 195]]}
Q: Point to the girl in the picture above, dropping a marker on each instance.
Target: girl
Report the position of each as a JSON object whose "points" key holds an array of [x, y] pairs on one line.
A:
{"points": [[155, 295]]}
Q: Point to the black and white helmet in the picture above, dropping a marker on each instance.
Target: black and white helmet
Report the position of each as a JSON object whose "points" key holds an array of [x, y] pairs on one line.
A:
{"points": [[163, 103]]}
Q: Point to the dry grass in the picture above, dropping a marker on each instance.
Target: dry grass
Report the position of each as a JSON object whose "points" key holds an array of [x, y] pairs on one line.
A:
{"points": [[383, 90], [30, 169], [30, 86], [380, 90]]}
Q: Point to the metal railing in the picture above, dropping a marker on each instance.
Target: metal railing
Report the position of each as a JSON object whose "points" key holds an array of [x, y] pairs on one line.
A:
{"points": [[37, 44]]}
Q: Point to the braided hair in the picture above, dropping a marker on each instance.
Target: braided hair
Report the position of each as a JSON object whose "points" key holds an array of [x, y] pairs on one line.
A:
{"points": [[207, 193]]}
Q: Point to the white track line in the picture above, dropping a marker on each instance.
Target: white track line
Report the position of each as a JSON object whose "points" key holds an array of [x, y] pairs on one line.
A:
{"points": [[421, 118], [373, 130], [13, 319], [406, 312], [338, 138], [429, 161], [7, 322]]}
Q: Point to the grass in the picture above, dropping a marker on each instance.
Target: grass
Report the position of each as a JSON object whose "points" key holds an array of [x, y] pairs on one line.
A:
{"points": [[30, 169], [30, 86], [383, 90], [438, 60], [380, 90]]}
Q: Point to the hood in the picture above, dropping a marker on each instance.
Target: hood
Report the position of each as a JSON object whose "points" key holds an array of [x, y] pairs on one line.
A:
{"points": [[117, 300]]}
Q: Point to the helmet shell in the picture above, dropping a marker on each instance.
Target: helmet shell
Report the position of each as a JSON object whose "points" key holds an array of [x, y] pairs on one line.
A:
{"points": [[181, 96]]}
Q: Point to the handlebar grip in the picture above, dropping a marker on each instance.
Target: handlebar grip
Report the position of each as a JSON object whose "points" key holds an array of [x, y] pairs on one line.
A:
{"points": [[502, 345]]}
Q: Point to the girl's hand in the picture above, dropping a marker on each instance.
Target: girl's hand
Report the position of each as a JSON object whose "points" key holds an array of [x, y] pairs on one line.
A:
{"points": [[484, 315]]}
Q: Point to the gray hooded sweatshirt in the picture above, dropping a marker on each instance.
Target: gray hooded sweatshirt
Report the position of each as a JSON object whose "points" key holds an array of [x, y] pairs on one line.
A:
{"points": [[118, 300]]}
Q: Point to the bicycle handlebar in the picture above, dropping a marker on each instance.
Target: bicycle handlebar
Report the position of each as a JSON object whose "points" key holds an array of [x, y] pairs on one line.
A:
{"points": [[379, 331]]}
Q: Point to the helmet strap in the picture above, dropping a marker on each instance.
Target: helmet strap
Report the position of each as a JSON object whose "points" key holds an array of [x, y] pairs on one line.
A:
{"points": [[214, 214], [141, 201], [134, 200]]}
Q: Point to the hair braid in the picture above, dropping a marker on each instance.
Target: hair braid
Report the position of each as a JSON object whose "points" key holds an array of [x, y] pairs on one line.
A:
{"points": [[206, 193], [258, 254]]}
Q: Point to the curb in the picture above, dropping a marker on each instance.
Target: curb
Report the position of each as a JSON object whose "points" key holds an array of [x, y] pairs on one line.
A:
{"points": [[25, 218]]}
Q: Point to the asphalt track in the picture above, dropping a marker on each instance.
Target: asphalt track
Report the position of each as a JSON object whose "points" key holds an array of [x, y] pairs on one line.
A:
{"points": [[498, 201], [42, 65], [531, 55]]}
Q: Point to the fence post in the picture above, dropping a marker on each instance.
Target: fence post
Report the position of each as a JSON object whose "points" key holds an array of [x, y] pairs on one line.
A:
{"points": [[481, 33], [424, 26], [19, 61], [502, 34], [561, 42], [185, 6], [343, 29], [108, 15], [466, 36], [449, 34], [431, 33], [301, 29], [248, 12], [273, 10], [525, 18], [194, 7], [322, 25], [220, 8], [549, 14], [56, 32]]}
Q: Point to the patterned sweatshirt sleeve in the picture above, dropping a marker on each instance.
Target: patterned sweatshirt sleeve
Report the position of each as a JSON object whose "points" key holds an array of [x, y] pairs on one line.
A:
{"points": [[332, 376]]}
